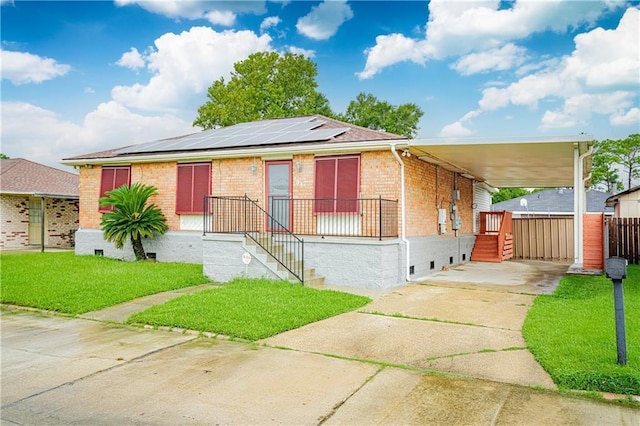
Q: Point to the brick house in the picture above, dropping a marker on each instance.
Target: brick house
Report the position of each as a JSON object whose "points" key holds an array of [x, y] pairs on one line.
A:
{"points": [[38, 205], [336, 185], [312, 198]]}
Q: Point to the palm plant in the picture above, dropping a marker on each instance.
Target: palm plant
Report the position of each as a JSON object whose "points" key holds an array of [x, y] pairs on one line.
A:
{"points": [[131, 217]]}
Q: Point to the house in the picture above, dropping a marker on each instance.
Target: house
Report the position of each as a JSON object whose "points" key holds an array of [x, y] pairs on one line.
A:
{"points": [[38, 205], [556, 202], [625, 203], [310, 197]]}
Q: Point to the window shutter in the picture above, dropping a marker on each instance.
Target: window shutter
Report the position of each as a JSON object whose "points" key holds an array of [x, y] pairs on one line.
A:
{"points": [[183, 190], [106, 184], [194, 182], [325, 185], [201, 186], [121, 177], [347, 185], [112, 178]]}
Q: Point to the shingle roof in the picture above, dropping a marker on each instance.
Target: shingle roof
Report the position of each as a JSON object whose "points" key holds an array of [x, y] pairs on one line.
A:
{"points": [[554, 201], [327, 130], [21, 176], [612, 200]]}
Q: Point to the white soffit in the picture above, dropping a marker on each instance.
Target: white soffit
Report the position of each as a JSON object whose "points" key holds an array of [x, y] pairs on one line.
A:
{"points": [[528, 163]]}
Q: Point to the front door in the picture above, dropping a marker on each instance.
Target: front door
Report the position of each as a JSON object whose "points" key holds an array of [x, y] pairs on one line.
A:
{"points": [[279, 194], [35, 221]]}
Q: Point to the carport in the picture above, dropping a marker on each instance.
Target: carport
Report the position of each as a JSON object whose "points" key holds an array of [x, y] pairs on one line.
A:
{"points": [[519, 162]]}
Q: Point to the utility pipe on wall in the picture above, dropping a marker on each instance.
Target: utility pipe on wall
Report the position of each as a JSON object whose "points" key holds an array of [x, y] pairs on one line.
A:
{"points": [[402, 211]]}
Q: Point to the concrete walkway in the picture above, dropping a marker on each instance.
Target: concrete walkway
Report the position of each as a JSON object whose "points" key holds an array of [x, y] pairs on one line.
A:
{"points": [[375, 366]]}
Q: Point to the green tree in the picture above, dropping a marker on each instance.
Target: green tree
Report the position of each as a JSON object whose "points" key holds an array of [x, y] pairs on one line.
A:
{"points": [[265, 85], [505, 194], [367, 111], [131, 217], [4, 156], [609, 153]]}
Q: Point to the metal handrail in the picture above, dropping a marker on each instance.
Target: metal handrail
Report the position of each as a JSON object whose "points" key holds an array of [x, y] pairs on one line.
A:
{"points": [[242, 215]]}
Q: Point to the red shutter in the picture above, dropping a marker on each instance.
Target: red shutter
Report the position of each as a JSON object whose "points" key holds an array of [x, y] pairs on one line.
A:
{"points": [[112, 178], [347, 185], [194, 182], [201, 186], [325, 184], [183, 189]]}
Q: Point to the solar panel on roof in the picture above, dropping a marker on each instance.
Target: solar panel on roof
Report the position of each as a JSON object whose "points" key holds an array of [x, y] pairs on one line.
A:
{"points": [[297, 129]]}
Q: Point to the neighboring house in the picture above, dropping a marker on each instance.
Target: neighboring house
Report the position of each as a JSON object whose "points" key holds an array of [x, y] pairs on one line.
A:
{"points": [[625, 203], [38, 205], [338, 186], [552, 203]]}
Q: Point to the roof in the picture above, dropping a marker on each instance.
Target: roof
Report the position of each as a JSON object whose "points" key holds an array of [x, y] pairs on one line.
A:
{"points": [[292, 131], [539, 162], [554, 201], [611, 201], [20, 176]]}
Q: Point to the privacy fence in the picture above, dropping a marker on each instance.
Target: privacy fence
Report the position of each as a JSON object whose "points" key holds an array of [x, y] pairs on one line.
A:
{"points": [[624, 238]]}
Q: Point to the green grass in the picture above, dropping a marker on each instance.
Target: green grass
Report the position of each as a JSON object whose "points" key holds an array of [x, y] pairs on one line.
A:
{"points": [[71, 284], [572, 334], [250, 309]]}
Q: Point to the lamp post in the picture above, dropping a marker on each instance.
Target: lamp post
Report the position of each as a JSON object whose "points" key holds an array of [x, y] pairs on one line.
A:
{"points": [[616, 269]]}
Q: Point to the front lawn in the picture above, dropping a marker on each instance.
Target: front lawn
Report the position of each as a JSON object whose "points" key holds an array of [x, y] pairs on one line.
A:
{"points": [[250, 308], [572, 334], [71, 284]]}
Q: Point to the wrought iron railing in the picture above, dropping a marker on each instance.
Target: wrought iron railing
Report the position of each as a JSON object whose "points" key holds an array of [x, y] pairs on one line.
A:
{"points": [[344, 217], [242, 215]]}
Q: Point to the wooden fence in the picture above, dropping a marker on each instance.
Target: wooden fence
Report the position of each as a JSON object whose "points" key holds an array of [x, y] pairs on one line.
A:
{"points": [[546, 238], [624, 238]]}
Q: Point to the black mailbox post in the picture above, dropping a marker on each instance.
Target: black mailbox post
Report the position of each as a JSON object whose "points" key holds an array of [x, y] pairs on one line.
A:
{"points": [[616, 268]]}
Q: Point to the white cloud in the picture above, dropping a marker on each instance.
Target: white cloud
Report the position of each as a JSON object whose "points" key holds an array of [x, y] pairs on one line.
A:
{"points": [[217, 12], [324, 19], [23, 68], [459, 28], [300, 51], [131, 59], [499, 59], [454, 130], [268, 22], [629, 118], [391, 49], [185, 65], [89, 90], [47, 139], [599, 77]]}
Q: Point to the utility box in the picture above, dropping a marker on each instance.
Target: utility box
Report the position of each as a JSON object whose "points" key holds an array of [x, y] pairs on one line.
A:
{"points": [[616, 268]]}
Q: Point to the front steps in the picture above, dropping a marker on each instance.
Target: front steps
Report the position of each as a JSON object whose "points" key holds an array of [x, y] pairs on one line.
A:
{"points": [[486, 248], [257, 252]]}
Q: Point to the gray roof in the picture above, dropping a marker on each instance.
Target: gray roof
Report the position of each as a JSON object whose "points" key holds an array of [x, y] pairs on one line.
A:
{"points": [[554, 201], [20, 176]]}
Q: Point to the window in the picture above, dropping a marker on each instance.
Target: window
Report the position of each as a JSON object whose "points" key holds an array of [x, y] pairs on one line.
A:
{"points": [[112, 178], [194, 183], [336, 184]]}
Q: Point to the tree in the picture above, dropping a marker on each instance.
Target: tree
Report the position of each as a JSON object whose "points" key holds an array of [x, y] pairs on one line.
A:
{"points": [[4, 156], [367, 111], [609, 153], [131, 217], [505, 194], [265, 85]]}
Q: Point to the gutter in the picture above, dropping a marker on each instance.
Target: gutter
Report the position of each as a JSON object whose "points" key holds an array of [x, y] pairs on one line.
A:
{"points": [[403, 211]]}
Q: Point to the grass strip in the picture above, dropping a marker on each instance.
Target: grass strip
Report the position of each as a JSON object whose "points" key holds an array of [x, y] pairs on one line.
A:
{"points": [[250, 309], [71, 284], [572, 334]]}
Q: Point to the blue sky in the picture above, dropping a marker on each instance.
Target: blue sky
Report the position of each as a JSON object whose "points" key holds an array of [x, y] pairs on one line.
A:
{"points": [[79, 77]]}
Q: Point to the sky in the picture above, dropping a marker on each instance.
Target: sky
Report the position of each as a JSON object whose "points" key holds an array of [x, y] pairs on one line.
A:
{"points": [[80, 77]]}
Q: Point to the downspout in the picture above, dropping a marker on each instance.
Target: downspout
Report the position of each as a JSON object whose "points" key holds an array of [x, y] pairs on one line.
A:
{"points": [[403, 235]]}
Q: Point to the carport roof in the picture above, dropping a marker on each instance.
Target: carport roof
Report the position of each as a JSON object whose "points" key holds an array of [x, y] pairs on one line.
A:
{"points": [[521, 162]]}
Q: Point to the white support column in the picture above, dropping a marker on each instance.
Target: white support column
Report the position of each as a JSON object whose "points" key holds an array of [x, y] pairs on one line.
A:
{"points": [[577, 219]]}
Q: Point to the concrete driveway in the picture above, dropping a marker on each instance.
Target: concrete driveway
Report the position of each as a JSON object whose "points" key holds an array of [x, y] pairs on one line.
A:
{"points": [[367, 367]]}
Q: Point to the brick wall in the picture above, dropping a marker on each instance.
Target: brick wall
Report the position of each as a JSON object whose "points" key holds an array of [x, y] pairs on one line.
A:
{"points": [[427, 187], [14, 217], [61, 216], [61, 221]]}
